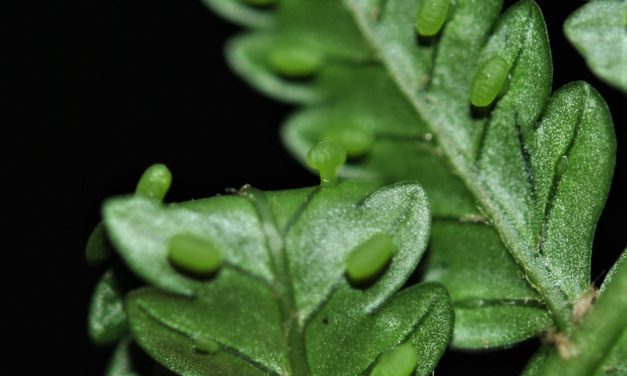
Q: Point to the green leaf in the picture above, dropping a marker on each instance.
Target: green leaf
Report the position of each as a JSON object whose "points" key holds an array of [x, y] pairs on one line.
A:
{"points": [[140, 229], [241, 13], [338, 44], [535, 364], [615, 268], [98, 249], [235, 310], [281, 303], [420, 315], [121, 362], [403, 147], [494, 306], [250, 56], [614, 362], [598, 30], [535, 166], [599, 344], [107, 319], [154, 184], [508, 160]]}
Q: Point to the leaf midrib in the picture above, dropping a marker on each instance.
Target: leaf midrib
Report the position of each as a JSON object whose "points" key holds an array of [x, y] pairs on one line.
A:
{"points": [[282, 285], [536, 275], [224, 347], [479, 302], [283, 288], [406, 337]]}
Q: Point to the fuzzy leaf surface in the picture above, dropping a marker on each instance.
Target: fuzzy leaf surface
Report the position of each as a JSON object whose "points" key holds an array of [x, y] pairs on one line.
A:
{"points": [[535, 168], [121, 362], [107, 319], [281, 304], [598, 30], [599, 343], [494, 306]]}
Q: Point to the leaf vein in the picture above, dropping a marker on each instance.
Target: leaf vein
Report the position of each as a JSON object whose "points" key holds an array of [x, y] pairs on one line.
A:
{"points": [[526, 157], [231, 350]]}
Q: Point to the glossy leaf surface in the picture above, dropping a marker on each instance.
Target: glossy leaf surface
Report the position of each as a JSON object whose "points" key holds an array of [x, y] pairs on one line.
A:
{"points": [[281, 303]]}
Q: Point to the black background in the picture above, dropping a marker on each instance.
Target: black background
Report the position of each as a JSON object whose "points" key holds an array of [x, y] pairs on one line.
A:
{"points": [[119, 85]]}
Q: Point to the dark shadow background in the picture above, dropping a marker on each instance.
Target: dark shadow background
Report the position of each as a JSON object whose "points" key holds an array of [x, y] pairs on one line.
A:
{"points": [[130, 83]]}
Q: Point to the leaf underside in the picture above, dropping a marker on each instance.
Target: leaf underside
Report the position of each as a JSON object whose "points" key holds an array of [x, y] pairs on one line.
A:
{"points": [[281, 299], [529, 175]]}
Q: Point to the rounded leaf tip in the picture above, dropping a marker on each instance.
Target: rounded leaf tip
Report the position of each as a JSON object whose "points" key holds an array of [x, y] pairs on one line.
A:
{"points": [[326, 157], [98, 249], [193, 255], [154, 182]]}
